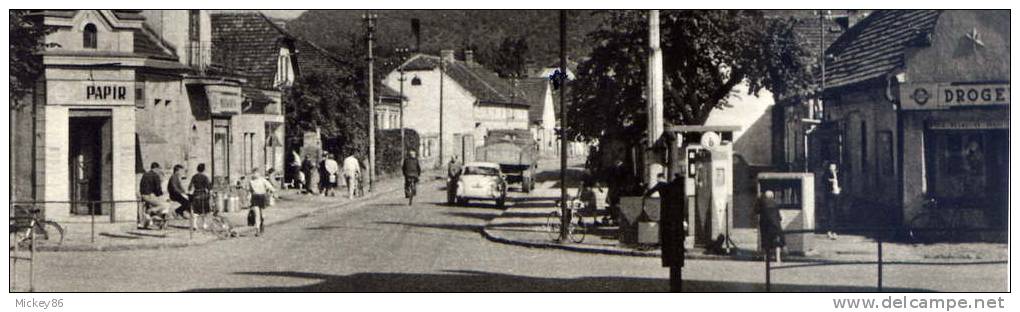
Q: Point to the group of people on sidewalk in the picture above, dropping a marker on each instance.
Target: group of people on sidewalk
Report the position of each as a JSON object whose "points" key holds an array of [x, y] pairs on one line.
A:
{"points": [[324, 177], [195, 200]]}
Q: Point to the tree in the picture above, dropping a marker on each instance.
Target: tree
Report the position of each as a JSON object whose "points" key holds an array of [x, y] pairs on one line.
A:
{"points": [[27, 34], [706, 54], [509, 59], [27, 38], [330, 101]]}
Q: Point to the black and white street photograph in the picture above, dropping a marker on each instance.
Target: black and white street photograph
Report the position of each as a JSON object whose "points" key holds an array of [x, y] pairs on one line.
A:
{"points": [[444, 150]]}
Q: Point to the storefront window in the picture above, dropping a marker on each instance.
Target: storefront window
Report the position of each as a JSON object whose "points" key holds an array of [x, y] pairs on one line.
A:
{"points": [[966, 164]]}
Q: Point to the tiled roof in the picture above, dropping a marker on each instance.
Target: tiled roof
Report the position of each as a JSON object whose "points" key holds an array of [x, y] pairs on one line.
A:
{"points": [[311, 57], [534, 90], [876, 45], [809, 32], [384, 92], [483, 83], [248, 42], [148, 44]]}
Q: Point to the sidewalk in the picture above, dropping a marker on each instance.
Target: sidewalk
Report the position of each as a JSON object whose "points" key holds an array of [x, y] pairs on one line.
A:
{"points": [[125, 236], [525, 224]]}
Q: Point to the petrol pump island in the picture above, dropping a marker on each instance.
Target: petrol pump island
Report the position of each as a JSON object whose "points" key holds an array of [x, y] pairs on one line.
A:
{"points": [[703, 156]]}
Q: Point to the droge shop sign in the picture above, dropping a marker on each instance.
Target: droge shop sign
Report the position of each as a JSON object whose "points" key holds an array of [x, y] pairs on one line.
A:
{"points": [[949, 95]]}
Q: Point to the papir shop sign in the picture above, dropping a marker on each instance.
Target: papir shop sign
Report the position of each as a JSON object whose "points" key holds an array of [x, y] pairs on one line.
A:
{"points": [[921, 96], [93, 93]]}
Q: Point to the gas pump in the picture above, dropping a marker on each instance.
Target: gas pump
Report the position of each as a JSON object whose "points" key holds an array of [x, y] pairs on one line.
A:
{"points": [[705, 160]]}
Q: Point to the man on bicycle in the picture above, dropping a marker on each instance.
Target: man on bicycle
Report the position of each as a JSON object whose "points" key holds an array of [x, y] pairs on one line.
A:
{"points": [[151, 190], [411, 169]]}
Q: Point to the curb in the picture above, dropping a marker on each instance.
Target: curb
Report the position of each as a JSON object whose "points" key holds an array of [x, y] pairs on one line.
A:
{"points": [[209, 239], [641, 253]]}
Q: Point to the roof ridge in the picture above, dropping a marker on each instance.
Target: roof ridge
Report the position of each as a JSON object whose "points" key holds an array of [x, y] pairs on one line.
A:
{"points": [[479, 78]]}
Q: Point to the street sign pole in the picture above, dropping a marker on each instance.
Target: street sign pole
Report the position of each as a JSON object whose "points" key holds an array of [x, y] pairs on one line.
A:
{"points": [[564, 212]]}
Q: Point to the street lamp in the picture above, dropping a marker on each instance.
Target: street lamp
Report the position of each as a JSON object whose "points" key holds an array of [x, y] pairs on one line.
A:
{"points": [[370, 19]]}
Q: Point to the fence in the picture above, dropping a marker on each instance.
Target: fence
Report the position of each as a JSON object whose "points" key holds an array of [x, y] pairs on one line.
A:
{"points": [[879, 234], [93, 209]]}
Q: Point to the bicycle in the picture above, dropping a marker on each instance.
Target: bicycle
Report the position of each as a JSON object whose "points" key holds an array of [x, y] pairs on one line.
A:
{"points": [[576, 228], [410, 189], [937, 223], [28, 223], [218, 225]]}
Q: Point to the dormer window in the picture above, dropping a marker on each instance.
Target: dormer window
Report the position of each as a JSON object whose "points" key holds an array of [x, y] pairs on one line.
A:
{"points": [[415, 81], [89, 37]]}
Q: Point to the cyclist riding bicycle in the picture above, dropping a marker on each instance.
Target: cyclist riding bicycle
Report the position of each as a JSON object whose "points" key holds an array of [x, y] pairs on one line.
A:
{"points": [[412, 170]]}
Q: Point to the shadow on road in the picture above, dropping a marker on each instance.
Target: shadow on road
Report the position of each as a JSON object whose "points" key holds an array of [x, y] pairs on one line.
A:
{"points": [[574, 177], [453, 227], [477, 281]]}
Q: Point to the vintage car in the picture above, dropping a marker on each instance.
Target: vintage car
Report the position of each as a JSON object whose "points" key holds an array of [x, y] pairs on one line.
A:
{"points": [[479, 181]]}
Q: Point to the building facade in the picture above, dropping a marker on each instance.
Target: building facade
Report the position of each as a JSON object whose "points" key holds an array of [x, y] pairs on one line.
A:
{"points": [[921, 112], [472, 100], [123, 89]]}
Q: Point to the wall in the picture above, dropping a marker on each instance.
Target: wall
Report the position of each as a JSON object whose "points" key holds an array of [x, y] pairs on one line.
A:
{"points": [[172, 26], [498, 116], [752, 144], [870, 191], [109, 39], [421, 112]]}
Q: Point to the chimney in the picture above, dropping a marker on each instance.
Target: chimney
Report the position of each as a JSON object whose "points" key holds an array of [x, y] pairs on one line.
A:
{"points": [[469, 57], [416, 31], [447, 55], [853, 16]]}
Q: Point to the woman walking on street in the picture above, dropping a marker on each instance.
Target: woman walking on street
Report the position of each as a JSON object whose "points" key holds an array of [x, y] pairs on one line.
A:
{"points": [[260, 189], [199, 188]]}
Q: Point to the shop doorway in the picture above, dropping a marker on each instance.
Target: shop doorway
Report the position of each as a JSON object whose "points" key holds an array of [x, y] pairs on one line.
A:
{"points": [[221, 152], [90, 161]]}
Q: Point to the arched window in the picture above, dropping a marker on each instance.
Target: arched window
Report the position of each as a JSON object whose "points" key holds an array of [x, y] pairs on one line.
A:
{"points": [[89, 38], [415, 81]]}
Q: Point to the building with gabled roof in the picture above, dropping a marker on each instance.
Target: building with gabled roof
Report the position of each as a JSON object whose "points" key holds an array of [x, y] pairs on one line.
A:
{"points": [[917, 108], [474, 99]]}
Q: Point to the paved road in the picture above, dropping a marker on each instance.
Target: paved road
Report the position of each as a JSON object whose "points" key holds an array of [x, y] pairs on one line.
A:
{"points": [[387, 246]]}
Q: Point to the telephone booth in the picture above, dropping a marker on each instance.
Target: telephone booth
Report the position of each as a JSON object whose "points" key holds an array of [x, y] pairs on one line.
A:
{"points": [[703, 155]]}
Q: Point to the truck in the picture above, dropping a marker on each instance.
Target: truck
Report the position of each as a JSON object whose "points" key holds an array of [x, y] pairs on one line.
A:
{"points": [[516, 152]]}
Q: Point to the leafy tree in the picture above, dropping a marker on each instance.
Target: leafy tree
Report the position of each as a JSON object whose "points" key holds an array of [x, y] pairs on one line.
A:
{"points": [[26, 34], [706, 53], [509, 59], [329, 100]]}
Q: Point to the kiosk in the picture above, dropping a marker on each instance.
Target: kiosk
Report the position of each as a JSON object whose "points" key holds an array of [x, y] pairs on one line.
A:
{"points": [[795, 192]]}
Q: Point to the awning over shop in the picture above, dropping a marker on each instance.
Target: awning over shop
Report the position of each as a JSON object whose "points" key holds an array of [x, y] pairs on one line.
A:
{"points": [[255, 101]]}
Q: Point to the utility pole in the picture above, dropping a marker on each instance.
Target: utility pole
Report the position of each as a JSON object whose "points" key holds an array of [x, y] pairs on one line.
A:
{"points": [[564, 211], [442, 68], [370, 19], [403, 143], [655, 119]]}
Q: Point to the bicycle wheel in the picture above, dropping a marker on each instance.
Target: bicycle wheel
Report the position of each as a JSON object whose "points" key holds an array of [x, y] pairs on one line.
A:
{"points": [[552, 225], [21, 238], [928, 228], [577, 228], [220, 227], [50, 232]]}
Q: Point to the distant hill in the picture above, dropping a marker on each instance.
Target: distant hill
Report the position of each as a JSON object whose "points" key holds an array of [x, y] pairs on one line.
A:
{"points": [[451, 29]]}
